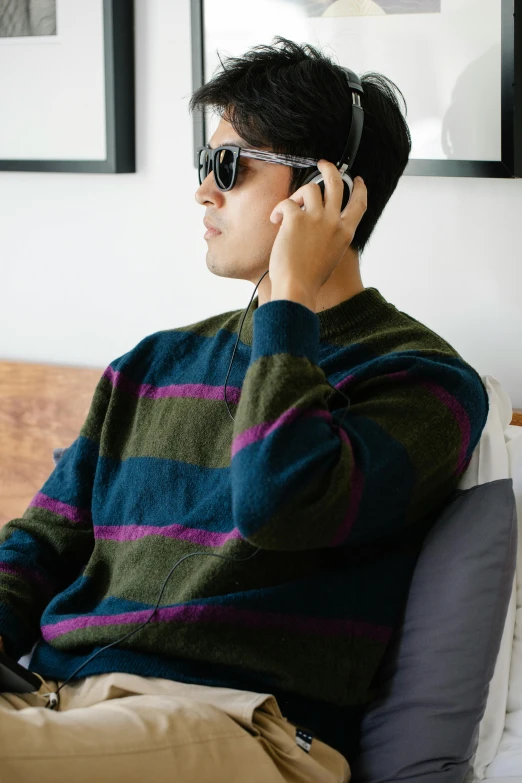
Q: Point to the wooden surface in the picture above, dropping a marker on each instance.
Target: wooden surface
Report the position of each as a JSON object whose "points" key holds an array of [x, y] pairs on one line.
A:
{"points": [[42, 407]]}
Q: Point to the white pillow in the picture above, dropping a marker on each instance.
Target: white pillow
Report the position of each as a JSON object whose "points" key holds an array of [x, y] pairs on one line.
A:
{"points": [[507, 762], [495, 458]]}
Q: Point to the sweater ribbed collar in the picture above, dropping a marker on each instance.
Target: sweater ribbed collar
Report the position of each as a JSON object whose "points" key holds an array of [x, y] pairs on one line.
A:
{"points": [[333, 321]]}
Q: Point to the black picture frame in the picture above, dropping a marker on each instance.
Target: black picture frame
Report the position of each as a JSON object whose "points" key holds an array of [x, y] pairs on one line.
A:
{"points": [[118, 32], [510, 165]]}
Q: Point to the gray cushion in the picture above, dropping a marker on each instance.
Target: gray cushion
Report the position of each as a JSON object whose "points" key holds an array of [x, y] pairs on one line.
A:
{"points": [[434, 678]]}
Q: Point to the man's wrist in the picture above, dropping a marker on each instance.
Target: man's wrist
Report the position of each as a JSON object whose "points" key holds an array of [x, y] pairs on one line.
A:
{"points": [[294, 292]]}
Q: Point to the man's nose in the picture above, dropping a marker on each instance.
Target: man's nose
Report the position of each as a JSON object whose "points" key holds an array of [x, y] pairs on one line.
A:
{"points": [[208, 190]]}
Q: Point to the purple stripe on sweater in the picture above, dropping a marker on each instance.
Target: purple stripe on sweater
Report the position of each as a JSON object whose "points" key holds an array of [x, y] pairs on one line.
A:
{"points": [[28, 575], [261, 431], [179, 532], [246, 618], [198, 390], [461, 417], [344, 382], [401, 375], [73, 513]]}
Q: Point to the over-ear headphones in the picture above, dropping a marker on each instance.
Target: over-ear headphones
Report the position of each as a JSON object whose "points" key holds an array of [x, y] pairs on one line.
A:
{"points": [[352, 145]]}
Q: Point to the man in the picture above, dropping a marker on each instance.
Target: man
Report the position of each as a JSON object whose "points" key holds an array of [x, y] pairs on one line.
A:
{"points": [[299, 508]]}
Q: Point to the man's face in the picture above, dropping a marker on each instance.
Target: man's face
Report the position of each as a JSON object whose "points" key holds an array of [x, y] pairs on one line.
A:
{"points": [[242, 214]]}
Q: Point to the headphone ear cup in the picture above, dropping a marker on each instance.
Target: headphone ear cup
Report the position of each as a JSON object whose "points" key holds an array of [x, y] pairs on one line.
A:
{"points": [[317, 177], [348, 188]]}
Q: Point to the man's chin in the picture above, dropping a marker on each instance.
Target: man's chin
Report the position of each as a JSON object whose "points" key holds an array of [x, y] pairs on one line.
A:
{"points": [[219, 269], [232, 269]]}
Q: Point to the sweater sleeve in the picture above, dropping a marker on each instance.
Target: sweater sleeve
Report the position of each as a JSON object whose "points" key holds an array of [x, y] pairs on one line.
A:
{"points": [[304, 479], [44, 550]]}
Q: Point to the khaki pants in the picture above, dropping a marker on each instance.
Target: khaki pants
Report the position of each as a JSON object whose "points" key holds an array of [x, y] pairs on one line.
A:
{"points": [[112, 728]]}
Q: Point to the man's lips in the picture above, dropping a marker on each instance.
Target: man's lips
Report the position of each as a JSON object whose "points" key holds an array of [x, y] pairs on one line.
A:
{"points": [[212, 231]]}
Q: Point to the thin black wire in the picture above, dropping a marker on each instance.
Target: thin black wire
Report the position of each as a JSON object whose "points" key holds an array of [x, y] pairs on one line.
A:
{"points": [[107, 646]]}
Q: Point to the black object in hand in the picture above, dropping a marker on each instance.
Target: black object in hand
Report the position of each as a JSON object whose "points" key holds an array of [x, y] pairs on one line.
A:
{"points": [[15, 678]]}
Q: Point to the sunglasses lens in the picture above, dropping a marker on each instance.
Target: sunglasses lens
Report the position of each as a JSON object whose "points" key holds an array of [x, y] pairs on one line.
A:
{"points": [[224, 167], [224, 172]]}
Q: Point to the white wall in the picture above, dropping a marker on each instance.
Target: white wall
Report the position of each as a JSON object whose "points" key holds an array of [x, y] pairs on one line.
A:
{"points": [[91, 263]]}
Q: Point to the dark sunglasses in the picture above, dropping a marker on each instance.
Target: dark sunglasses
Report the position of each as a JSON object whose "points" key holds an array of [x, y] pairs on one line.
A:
{"points": [[223, 162]]}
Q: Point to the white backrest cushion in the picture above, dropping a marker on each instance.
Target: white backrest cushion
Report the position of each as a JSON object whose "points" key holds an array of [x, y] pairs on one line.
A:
{"points": [[495, 458]]}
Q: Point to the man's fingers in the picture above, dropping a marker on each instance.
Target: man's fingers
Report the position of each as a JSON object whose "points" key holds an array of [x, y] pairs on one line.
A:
{"points": [[357, 205], [333, 185]]}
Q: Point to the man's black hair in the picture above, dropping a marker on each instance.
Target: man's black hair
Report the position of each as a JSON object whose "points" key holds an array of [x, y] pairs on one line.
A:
{"points": [[293, 99]]}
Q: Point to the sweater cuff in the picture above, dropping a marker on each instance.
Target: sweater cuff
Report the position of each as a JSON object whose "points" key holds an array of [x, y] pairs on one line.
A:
{"points": [[283, 326]]}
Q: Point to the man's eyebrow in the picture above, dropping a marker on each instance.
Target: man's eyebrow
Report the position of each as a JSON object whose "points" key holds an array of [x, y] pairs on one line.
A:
{"points": [[233, 143]]}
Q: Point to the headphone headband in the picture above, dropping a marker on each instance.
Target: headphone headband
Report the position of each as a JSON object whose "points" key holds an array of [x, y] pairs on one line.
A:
{"points": [[347, 158]]}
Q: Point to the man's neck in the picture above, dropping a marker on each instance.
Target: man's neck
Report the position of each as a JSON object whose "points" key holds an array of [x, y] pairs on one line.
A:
{"points": [[344, 282]]}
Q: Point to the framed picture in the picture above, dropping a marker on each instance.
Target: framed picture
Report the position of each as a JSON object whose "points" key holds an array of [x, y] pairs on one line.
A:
{"points": [[68, 104], [458, 64]]}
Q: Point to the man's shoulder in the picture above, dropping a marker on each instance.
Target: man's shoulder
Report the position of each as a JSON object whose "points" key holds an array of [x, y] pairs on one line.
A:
{"points": [[396, 341], [425, 354], [210, 326], [176, 342], [415, 333], [396, 331]]}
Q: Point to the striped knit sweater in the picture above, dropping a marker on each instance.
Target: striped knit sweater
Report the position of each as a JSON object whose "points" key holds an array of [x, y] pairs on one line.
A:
{"points": [[337, 510]]}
